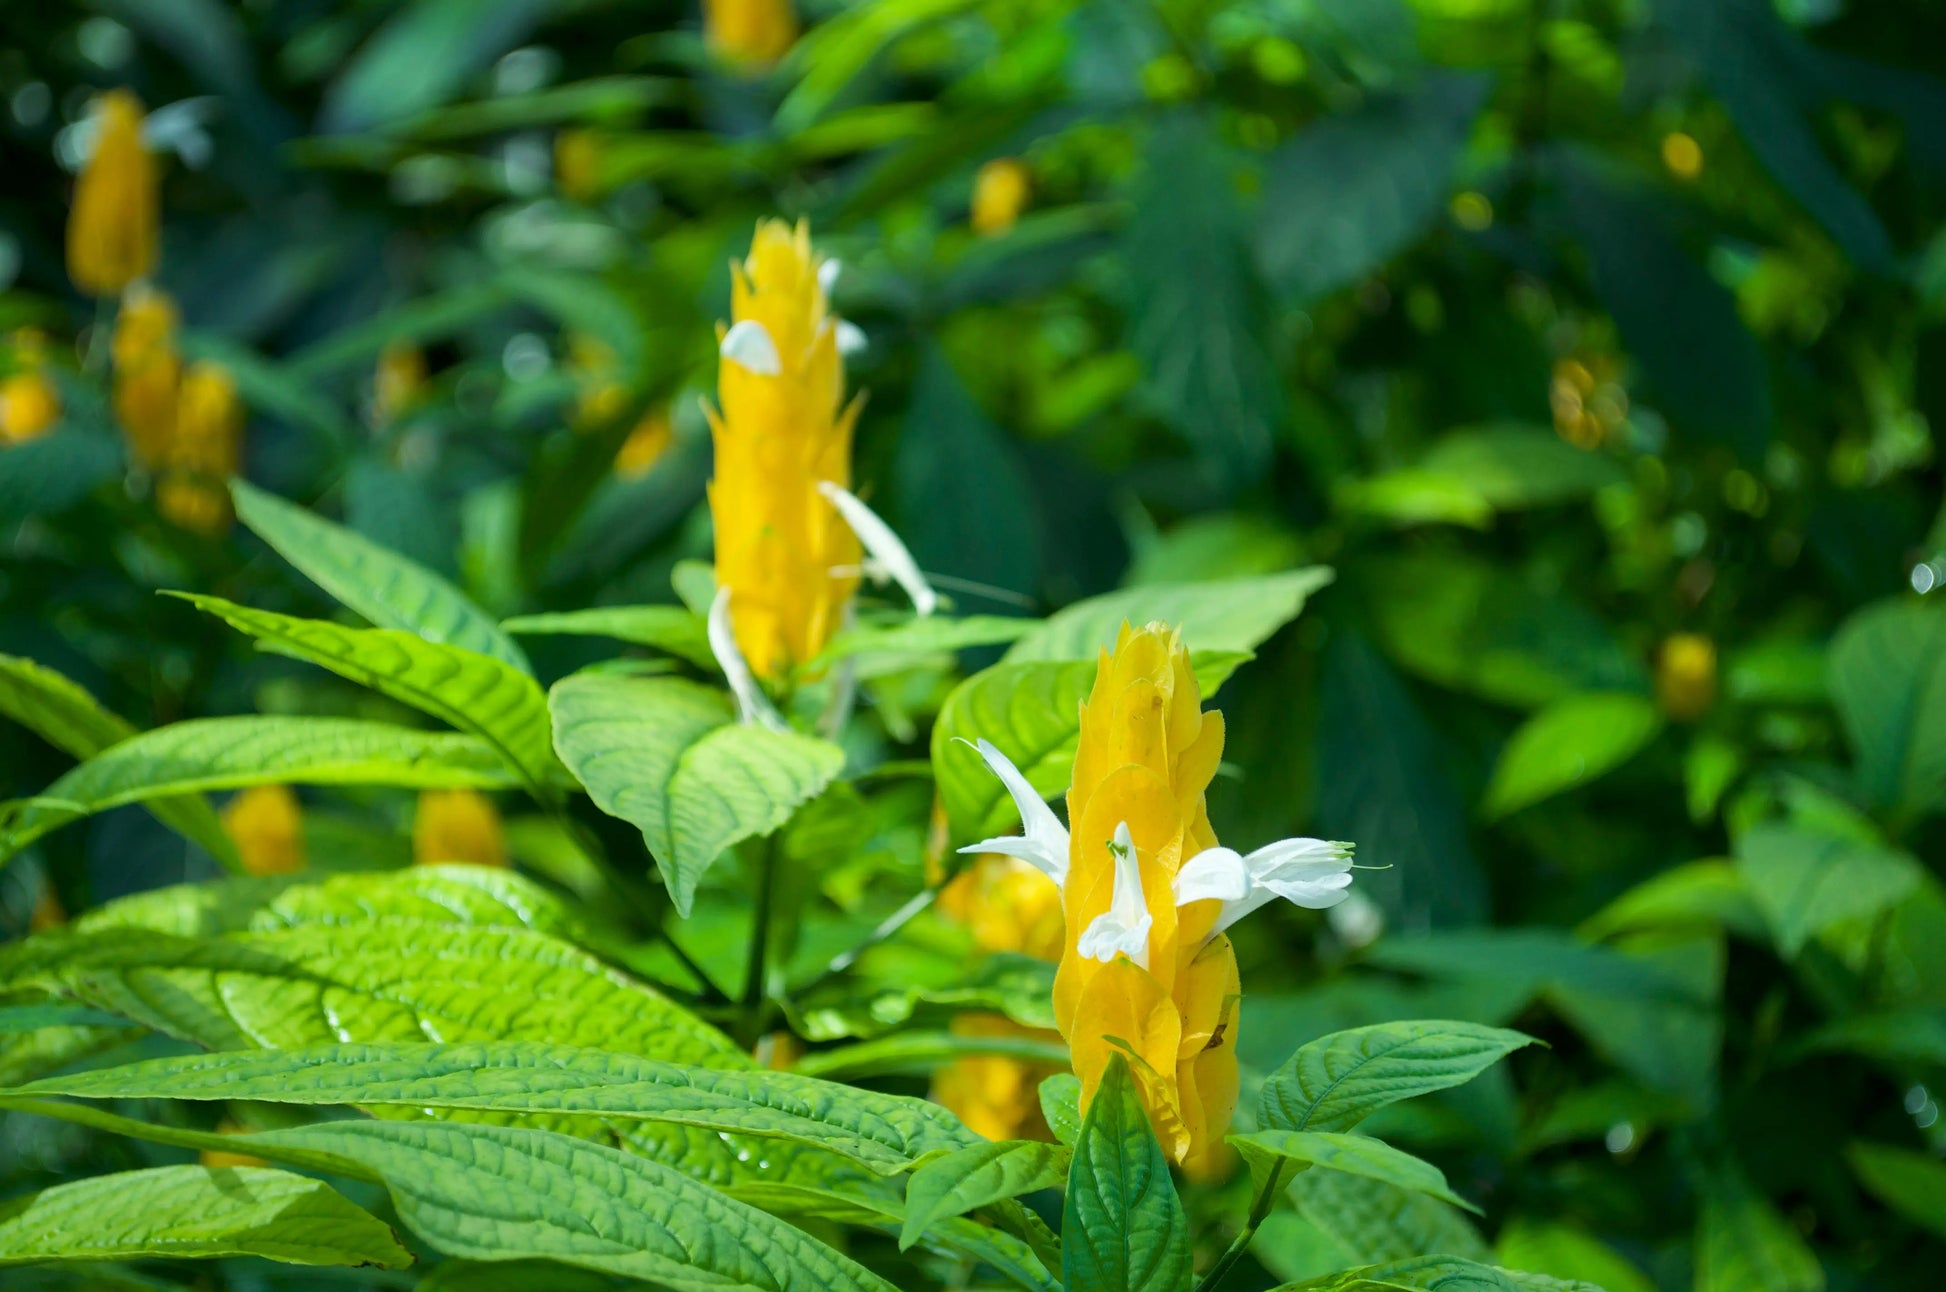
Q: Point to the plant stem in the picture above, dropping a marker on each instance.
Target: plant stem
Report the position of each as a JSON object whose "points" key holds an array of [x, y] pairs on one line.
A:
{"points": [[1259, 1208], [755, 997]]}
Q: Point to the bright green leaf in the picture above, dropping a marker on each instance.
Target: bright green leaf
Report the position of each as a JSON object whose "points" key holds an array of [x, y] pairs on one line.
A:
{"points": [[1336, 1081], [674, 629], [1569, 743], [977, 1176], [1888, 682], [1806, 882], [1123, 1228], [1222, 615], [1268, 1150]]}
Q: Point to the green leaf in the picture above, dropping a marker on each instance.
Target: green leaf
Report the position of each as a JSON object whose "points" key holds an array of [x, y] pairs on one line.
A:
{"points": [[1744, 1245], [380, 980], [1512, 466], [918, 1053], [1336, 1081], [1709, 893], [421, 57], [195, 1212], [62, 713], [1122, 1228], [1437, 1274], [1267, 1150], [1221, 615], [229, 753], [1888, 682], [48, 475], [1061, 1106], [1353, 190], [666, 755], [381, 585], [929, 636], [1567, 1252], [31, 1018], [884, 1133], [978, 1176], [1912, 1184], [1569, 743], [1805, 882], [474, 693], [674, 629], [504, 1192], [1376, 1221]]}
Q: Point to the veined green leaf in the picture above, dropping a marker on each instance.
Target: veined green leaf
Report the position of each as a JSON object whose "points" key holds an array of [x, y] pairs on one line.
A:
{"points": [[1437, 1274], [575, 1202], [62, 713], [1268, 1150], [885, 1133], [917, 1053], [195, 1212], [977, 1175], [1221, 615], [1569, 743], [383, 980], [1888, 682], [1743, 1243], [1373, 1220], [381, 585], [228, 753], [674, 629], [931, 635], [1123, 1228], [479, 694], [1336, 1081], [1061, 1106], [666, 755], [1805, 882]]}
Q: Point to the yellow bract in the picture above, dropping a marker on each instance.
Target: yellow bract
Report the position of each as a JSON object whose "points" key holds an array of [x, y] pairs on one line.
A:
{"points": [[1146, 754], [645, 445], [577, 163], [267, 827], [457, 825], [29, 403], [112, 227], [1000, 193], [398, 380], [204, 452], [750, 31], [147, 372], [777, 435], [1685, 676]]}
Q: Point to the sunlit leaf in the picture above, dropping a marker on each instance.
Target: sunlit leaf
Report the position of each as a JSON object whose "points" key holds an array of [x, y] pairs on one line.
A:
{"points": [[1568, 744]]}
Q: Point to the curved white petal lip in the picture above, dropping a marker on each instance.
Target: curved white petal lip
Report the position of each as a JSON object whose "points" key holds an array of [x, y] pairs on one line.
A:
{"points": [[851, 338], [753, 706], [1123, 929], [1043, 842], [828, 272], [884, 547], [1312, 873], [1219, 873], [749, 345]]}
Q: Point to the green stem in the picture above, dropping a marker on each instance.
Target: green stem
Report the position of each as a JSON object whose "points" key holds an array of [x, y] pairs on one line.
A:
{"points": [[756, 1000], [1259, 1208]]}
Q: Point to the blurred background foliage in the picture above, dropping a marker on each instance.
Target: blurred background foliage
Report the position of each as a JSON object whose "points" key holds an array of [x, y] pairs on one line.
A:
{"points": [[1599, 345]]}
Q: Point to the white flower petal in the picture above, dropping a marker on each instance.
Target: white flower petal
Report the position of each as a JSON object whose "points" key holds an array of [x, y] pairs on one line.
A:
{"points": [[1123, 929], [1218, 873], [1044, 840], [884, 547], [1312, 873], [851, 338], [748, 345], [752, 704], [828, 271]]}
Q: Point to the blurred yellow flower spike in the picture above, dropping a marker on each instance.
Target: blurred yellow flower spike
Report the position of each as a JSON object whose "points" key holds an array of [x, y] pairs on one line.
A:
{"points": [[204, 452], [147, 373], [397, 381], [645, 445], [267, 827], [752, 33], [577, 164], [112, 226], [601, 397], [1000, 193], [1685, 676], [1147, 892], [457, 825], [784, 553], [29, 403]]}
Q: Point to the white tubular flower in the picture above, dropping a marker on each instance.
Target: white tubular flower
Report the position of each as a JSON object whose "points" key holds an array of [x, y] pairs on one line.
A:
{"points": [[1043, 842], [1123, 929], [753, 706], [1313, 873], [887, 553], [748, 345]]}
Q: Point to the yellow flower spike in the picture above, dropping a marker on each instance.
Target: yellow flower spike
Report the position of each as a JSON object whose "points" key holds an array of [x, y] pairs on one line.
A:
{"points": [[787, 558], [577, 163], [457, 825], [204, 452], [1147, 892], [601, 397], [267, 827], [1000, 193], [112, 226], [1685, 676], [398, 381], [645, 445], [750, 33], [997, 1097], [30, 405], [148, 372]]}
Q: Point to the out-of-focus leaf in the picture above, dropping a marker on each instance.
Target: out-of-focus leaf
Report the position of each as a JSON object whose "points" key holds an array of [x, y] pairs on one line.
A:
{"points": [[1221, 615], [1375, 1221], [1912, 1184], [1041, 251], [1567, 1252], [1707, 894], [1512, 466], [1196, 320], [1569, 743], [1806, 882], [926, 636], [46, 476], [1888, 681], [675, 629], [422, 56], [599, 98], [1744, 1245], [837, 52], [1352, 191]]}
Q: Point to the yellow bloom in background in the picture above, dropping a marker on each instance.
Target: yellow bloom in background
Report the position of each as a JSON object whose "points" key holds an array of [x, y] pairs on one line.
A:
{"points": [[1000, 193], [397, 381], [751, 32], [1685, 676], [457, 825], [147, 373], [1682, 155], [112, 226], [48, 912], [204, 452], [267, 827], [1147, 892], [577, 164], [645, 445], [784, 553], [216, 1157], [30, 404], [1588, 403], [593, 365]]}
